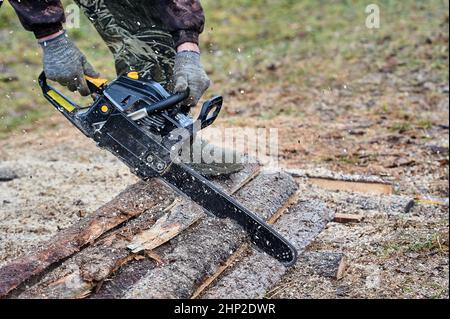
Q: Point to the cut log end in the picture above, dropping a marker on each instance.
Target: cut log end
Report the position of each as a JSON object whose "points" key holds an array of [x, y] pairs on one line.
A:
{"points": [[327, 264]]}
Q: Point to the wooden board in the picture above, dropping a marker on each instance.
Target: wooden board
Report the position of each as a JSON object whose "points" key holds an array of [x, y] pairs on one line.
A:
{"points": [[327, 264], [350, 186]]}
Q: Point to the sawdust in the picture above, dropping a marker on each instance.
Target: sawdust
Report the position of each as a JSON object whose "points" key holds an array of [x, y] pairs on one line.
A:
{"points": [[62, 177]]}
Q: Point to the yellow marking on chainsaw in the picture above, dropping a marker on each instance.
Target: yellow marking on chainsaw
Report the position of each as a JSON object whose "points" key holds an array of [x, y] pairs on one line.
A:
{"points": [[98, 82], [61, 101], [133, 75], [105, 109]]}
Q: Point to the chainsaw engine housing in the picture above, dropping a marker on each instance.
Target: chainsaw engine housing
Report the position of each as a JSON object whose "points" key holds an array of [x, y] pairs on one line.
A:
{"points": [[134, 119]]}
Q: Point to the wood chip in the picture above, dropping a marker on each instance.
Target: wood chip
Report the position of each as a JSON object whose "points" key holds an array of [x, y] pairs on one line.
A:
{"points": [[347, 218]]}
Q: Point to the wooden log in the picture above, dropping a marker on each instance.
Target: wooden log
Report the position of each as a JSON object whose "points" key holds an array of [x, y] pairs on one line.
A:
{"points": [[132, 202], [256, 273], [78, 276], [199, 252], [170, 225], [356, 203], [243, 249]]}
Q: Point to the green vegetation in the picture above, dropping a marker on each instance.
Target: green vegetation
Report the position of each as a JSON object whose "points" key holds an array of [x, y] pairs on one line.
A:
{"points": [[430, 243], [255, 46]]}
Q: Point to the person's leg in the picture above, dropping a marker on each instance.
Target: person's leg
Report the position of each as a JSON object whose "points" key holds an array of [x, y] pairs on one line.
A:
{"points": [[135, 36]]}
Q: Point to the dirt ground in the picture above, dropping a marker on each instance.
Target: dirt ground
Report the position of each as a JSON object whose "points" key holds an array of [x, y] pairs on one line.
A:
{"points": [[379, 113]]}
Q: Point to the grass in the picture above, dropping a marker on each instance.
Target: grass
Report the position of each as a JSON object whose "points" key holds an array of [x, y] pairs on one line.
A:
{"points": [[429, 244], [256, 46], [425, 124], [400, 127]]}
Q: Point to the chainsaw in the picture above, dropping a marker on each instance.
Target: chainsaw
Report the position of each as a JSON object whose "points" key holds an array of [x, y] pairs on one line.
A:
{"points": [[135, 119]]}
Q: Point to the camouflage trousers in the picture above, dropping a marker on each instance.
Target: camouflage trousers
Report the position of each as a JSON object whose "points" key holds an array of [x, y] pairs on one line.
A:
{"points": [[135, 35]]}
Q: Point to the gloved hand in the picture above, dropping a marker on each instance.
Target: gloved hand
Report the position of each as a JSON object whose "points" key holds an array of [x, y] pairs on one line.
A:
{"points": [[188, 72], [65, 64]]}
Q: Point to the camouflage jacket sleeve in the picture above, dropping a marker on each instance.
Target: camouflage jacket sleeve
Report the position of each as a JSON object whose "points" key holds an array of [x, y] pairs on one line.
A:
{"points": [[43, 17], [184, 19]]}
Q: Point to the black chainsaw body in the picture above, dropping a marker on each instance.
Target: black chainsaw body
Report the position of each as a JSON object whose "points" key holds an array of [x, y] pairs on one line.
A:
{"points": [[141, 123], [137, 142]]}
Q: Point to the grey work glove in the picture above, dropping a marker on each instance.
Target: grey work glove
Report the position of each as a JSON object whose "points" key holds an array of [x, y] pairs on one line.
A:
{"points": [[65, 64], [189, 73]]}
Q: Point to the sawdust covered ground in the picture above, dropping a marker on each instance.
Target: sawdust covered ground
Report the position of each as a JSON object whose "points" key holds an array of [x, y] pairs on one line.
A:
{"points": [[61, 177], [347, 129]]}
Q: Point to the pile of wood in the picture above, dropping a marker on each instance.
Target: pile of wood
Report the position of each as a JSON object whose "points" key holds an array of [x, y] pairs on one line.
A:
{"points": [[151, 243]]}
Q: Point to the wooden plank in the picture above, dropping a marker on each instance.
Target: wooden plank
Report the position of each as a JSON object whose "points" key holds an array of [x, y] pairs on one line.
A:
{"points": [[253, 276], [348, 218], [132, 202], [350, 186], [200, 251], [78, 276], [228, 264]]}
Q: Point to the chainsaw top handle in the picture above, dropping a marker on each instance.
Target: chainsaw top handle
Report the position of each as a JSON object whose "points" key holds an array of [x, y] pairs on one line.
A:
{"points": [[168, 102]]}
